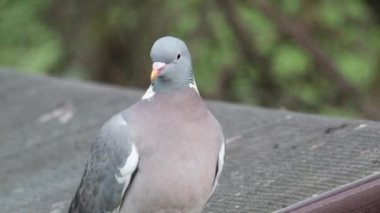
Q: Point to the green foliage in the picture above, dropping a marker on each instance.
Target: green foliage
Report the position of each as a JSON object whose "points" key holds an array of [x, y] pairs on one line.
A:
{"points": [[110, 40], [291, 6], [357, 69], [261, 28], [25, 41], [213, 56], [289, 61]]}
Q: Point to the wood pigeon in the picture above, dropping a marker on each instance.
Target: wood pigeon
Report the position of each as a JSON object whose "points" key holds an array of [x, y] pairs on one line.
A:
{"points": [[162, 154]]}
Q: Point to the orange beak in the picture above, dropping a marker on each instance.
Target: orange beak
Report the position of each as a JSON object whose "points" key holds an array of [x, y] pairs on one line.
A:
{"points": [[156, 70], [154, 74]]}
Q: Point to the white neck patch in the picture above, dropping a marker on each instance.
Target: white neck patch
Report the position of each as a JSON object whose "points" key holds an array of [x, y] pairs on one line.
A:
{"points": [[150, 93], [194, 86]]}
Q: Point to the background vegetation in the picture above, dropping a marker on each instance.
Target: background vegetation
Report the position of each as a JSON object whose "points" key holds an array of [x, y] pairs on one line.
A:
{"points": [[318, 56]]}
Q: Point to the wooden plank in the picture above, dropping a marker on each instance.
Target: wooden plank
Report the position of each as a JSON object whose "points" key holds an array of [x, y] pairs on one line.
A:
{"points": [[274, 158], [359, 196]]}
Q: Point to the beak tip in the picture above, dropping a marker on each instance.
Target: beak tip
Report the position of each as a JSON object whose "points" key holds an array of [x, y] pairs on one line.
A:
{"points": [[154, 74]]}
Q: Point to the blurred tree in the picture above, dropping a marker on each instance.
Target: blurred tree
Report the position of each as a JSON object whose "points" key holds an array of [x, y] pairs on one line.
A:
{"points": [[316, 56]]}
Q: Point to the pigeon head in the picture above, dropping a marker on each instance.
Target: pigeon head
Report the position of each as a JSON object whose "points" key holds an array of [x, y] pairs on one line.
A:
{"points": [[171, 67]]}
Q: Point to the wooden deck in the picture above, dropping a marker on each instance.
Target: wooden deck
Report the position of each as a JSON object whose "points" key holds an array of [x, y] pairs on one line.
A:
{"points": [[274, 158]]}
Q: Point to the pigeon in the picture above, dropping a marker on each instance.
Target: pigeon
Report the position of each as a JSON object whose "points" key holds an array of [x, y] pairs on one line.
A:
{"points": [[164, 153]]}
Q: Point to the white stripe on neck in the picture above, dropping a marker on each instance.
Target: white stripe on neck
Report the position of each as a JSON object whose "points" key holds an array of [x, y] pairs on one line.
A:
{"points": [[150, 93], [194, 86]]}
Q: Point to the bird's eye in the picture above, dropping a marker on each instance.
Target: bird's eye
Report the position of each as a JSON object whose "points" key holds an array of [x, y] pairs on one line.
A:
{"points": [[178, 56]]}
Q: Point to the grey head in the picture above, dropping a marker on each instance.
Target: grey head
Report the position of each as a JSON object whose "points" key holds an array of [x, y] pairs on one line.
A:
{"points": [[172, 68]]}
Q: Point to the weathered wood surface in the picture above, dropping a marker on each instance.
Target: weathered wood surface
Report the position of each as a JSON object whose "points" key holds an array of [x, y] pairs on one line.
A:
{"points": [[274, 158]]}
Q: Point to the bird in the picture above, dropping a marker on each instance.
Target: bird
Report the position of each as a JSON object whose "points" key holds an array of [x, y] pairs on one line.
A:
{"points": [[162, 154]]}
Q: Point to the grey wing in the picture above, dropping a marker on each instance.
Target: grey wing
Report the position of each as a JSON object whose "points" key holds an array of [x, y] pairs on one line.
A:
{"points": [[221, 156], [112, 162], [220, 163]]}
